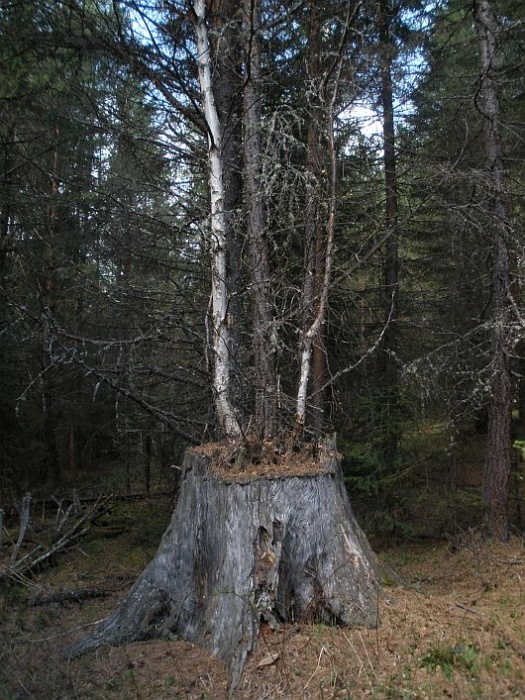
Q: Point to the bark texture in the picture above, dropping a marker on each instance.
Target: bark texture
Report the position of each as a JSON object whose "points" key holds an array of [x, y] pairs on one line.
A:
{"points": [[218, 238], [242, 549], [313, 351], [499, 438], [264, 341], [226, 50]]}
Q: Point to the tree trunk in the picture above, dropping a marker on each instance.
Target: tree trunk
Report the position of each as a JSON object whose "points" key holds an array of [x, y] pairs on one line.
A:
{"points": [[387, 361], [498, 450], [250, 544], [319, 236], [6, 204], [218, 235], [264, 341], [71, 449], [313, 349], [520, 388], [226, 40], [50, 467]]}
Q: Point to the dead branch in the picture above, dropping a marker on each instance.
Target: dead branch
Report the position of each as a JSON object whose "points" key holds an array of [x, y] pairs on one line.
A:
{"points": [[25, 513], [67, 596], [1, 527], [40, 554]]}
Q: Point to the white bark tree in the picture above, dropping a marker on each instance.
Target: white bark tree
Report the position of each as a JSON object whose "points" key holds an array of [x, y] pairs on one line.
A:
{"points": [[319, 266], [218, 234], [247, 544]]}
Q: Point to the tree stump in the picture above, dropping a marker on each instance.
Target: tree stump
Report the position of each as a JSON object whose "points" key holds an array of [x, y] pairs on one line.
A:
{"points": [[274, 542]]}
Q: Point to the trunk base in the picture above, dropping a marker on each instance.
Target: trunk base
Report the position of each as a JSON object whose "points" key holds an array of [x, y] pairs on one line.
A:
{"points": [[247, 544]]}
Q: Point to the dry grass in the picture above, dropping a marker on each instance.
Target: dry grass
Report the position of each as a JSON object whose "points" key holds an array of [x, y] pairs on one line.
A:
{"points": [[452, 625]]}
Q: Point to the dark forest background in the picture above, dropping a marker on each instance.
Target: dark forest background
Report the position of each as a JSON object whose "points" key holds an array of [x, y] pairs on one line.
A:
{"points": [[105, 355]]}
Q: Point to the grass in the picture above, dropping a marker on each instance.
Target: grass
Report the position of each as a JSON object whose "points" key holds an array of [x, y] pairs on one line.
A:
{"points": [[450, 658], [442, 634], [451, 626]]}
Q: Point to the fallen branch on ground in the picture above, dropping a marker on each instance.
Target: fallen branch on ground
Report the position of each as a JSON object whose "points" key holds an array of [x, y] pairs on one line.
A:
{"points": [[69, 596], [41, 554]]}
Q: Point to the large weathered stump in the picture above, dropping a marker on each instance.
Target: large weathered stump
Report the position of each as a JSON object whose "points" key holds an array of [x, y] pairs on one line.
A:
{"points": [[248, 543]]}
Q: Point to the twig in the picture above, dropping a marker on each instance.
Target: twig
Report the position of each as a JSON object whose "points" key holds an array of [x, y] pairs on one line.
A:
{"points": [[67, 633], [25, 513], [1, 527], [323, 651], [66, 596], [462, 606], [36, 557]]}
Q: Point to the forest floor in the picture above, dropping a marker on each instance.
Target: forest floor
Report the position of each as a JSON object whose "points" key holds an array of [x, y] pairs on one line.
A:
{"points": [[452, 624]]}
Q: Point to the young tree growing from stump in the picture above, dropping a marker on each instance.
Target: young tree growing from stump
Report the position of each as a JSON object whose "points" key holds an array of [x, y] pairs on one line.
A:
{"points": [[262, 533]]}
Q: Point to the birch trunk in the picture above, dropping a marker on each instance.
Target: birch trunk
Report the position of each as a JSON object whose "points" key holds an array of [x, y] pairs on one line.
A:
{"points": [[318, 269], [315, 231], [226, 46], [218, 234]]}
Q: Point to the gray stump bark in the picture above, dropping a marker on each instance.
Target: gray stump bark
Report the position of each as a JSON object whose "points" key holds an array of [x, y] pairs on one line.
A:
{"points": [[244, 547]]}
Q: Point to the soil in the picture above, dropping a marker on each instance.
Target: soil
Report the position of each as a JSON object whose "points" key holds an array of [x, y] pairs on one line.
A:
{"points": [[452, 626]]}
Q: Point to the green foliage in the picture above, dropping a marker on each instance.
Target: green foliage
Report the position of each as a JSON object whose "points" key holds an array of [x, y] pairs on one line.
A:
{"points": [[461, 657], [368, 482], [96, 339], [367, 467], [103, 214], [519, 446]]}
